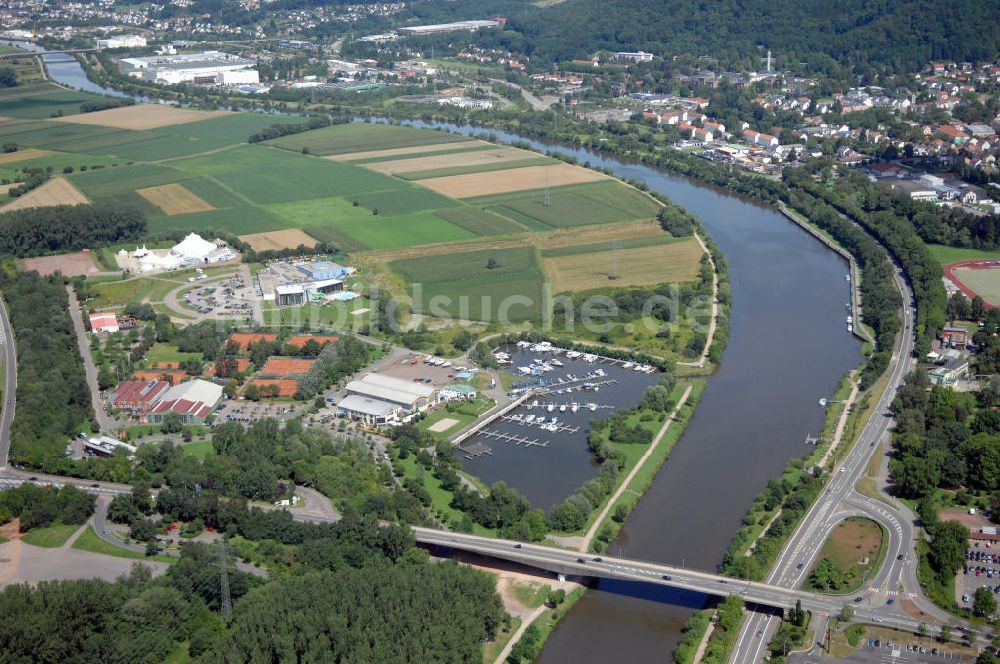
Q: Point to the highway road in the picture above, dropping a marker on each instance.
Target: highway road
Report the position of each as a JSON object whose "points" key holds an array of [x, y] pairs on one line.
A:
{"points": [[10, 385], [898, 575]]}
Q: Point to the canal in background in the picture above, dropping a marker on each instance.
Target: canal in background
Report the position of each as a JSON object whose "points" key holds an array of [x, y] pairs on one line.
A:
{"points": [[788, 347]]}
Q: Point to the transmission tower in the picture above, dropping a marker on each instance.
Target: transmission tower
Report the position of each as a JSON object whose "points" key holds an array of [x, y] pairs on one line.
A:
{"points": [[615, 246], [546, 202], [226, 599]]}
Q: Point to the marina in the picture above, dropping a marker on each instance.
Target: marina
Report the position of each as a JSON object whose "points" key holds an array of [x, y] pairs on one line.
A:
{"points": [[539, 446]]}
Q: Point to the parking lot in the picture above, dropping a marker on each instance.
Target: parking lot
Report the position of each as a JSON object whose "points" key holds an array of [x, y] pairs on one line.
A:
{"points": [[248, 412], [982, 568], [230, 296], [879, 651]]}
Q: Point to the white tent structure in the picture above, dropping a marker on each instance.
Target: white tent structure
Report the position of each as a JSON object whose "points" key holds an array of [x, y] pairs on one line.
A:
{"points": [[193, 247]]}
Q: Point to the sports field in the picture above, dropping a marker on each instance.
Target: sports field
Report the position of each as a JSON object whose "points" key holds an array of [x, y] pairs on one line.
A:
{"points": [[360, 136], [981, 281], [674, 262], [56, 191], [142, 116], [174, 199], [520, 179]]}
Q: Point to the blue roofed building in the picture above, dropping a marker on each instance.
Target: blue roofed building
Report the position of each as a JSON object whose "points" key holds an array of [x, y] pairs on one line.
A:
{"points": [[323, 270]]}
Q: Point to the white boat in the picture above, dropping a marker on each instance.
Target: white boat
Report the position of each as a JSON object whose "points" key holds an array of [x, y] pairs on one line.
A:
{"points": [[524, 370], [574, 407], [528, 419], [627, 365], [850, 328], [562, 408], [573, 354], [591, 407], [523, 344], [848, 277], [588, 357], [555, 363], [551, 407]]}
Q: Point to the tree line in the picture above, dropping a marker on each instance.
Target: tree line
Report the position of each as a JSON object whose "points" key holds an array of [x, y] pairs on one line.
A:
{"points": [[47, 230]]}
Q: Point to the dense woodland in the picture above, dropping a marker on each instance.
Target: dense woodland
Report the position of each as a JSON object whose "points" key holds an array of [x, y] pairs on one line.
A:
{"points": [[359, 593], [47, 230], [53, 400], [892, 35]]}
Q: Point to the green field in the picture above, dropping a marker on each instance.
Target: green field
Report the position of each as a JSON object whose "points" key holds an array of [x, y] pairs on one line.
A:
{"points": [[480, 220], [265, 175], [432, 152], [406, 200], [985, 283], [467, 289], [238, 220], [41, 100], [161, 352], [405, 231], [50, 537], [108, 181], [946, 255], [362, 137], [59, 135], [56, 161], [574, 205]]}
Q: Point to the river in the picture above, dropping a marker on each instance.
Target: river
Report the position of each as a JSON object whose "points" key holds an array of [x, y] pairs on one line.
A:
{"points": [[788, 347]]}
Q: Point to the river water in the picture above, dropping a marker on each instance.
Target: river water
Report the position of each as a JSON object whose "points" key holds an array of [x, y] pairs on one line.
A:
{"points": [[788, 347]]}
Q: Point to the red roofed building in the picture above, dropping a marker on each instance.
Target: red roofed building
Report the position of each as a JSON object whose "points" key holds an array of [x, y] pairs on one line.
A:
{"points": [[137, 396], [104, 322], [954, 134], [244, 339], [192, 401]]}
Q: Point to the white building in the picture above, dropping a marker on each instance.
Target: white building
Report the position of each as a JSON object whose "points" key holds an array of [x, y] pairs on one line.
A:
{"points": [[639, 56], [203, 68], [449, 27], [238, 77], [409, 396], [122, 41]]}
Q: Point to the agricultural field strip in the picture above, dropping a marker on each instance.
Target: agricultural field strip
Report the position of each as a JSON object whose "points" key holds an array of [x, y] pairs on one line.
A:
{"points": [[447, 160], [393, 153], [56, 191], [416, 176], [675, 262], [174, 199], [356, 137], [521, 179], [23, 155], [142, 116]]}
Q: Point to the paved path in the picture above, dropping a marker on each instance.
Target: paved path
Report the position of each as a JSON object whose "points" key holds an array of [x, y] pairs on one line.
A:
{"points": [[530, 618], [841, 423], [536, 103], [104, 422], [10, 384], [589, 537], [258, 310], [713, 322]]}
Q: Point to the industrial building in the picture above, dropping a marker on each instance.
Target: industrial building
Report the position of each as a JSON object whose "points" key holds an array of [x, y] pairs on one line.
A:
{"points": [[450, 27], [297, 283], [122, 41], [410, 396], [193, 401], [370, 412], [200, 68]]}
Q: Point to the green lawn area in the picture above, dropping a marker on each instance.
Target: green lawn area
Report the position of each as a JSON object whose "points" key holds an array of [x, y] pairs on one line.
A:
{"points": [[405, 200], [532, 595], [199, 449], [41, 100], [161, 352], [333, 315], [236, 220], [463, 414], [856, 548], [475, 291], [89, 541], [946, 255], [50, 537], [363, 137], [119, 293]]}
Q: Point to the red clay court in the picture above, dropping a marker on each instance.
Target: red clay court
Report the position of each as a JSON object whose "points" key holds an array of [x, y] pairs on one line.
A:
{"points": [[286, 387], [244, 339], [977, 277], [286, 366]]}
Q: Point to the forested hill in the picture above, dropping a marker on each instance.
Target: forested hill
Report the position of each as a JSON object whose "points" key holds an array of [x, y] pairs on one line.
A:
{"points": [[904, 34]]}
